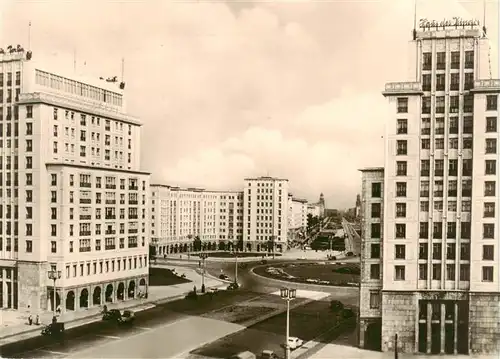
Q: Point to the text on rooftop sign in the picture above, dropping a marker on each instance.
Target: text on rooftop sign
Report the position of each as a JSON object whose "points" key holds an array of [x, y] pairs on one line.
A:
{"points": [[454, 22]]}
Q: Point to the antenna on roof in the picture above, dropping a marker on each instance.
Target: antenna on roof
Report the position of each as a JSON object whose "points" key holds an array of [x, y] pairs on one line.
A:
{"points": [[484, 18], [29, 35], [415, 21], [123, 68], [74, 60]]}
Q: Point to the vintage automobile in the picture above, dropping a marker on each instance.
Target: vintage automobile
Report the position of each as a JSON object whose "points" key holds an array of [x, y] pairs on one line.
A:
{"points": [[114, 315], [54, 329]]}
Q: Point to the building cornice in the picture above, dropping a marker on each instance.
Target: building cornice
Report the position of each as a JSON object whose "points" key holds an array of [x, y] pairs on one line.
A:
{"points": [[403, 89], [486, 86], [87, 107], [98, 168]]}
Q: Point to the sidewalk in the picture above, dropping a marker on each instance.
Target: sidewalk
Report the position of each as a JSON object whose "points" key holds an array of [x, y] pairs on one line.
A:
{"points": [[156, 295]]}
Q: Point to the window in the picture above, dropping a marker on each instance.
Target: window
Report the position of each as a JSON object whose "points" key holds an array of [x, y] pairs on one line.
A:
{"points": [[426, 82], [424, 206], [491, 145], [489, 188], [451, 251], [422, 271], [452, 206], [29, 162], [451, 231], [487, 274], [469, 59], [402, 104], [426, 104], [427, 61], [426, 144], [424, 230], [452, 167], [436, 271], [488, 252], [455, 59], [489, 210], [401, 168], [464, 272], [468, 81], [439, 103], [465, 228], [450, 272], [399, 273], [402, 147], [53, 179], [491, 102], [438, 188], [401, 189], [374, 271], [399, 251], [375, 230], [440, 84], [400, 230], [438, 167], [491, 124], [467, 167], [440, 60], [29, 246], [490, 167], [455, 82], [401, 210], [402, 127], [422, 251], [488, 230], [436, 251], [53, 247], [454, 143], [374, 299], [425, 167], [437, 231], [464, 251], [376, 210], [376, 190], [454, 104], [439, 143], [375, 250], [426, 126]]}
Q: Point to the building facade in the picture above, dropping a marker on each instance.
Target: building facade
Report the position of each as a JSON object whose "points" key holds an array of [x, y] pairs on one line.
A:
{"points": [[181, 216], [74, 199], [297, 218], [440, 279], [265, 214], [371, 212]]}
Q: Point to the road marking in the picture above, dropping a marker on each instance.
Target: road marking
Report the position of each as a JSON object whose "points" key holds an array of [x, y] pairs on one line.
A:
{"points": [[144, 328], [108, 336], [52, 352]]}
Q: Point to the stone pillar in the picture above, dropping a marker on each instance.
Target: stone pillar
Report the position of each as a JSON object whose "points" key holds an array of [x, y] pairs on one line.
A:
{"points": [[442, 326], [455, 328], [429, 327], [115, 288], [4, 288], [362, 329], [103, 294]]}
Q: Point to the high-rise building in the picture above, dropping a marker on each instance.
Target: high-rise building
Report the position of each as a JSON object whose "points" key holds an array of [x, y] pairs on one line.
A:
{"points": [[265, 214], [440, 250], [297, 217], [73, 198], [181, 216]]}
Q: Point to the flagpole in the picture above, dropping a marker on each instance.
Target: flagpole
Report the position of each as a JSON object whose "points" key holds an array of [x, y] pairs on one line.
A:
{"points": [[29, 35]]}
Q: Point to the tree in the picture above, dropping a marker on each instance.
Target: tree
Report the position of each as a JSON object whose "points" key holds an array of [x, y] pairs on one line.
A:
{"points": [[197, 243]]}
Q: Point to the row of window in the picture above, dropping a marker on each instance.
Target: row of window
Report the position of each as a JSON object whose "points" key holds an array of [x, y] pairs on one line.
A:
{"points": [[453, 128], [402, 145], [437, 230], [106, 266], [454, 104], [440, 84], [441, 61], [9, 78], [489, 167], [437, 253]]}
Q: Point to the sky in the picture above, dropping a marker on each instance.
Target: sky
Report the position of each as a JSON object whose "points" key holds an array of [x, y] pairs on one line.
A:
{"points": [[230, 89]]}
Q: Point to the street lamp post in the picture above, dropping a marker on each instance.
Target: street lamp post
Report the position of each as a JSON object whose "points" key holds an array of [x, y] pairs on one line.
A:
{"points": [[203, 256], [236, 265], [54, 275], [288, 294]]}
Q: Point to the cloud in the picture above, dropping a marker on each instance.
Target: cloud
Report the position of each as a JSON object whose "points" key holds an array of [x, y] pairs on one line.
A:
{"points": [[228, 90]]}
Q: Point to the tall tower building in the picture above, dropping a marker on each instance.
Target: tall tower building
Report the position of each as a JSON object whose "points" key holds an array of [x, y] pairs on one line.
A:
{"points": [[265, 214], [72, 196], [440, 254]]}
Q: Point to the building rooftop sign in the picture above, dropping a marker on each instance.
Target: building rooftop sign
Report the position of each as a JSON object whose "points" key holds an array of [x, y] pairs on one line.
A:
{"points": [[455, 22]]}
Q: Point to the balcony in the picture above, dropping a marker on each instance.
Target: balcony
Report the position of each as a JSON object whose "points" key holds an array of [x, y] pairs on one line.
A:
{"points": [[85, 200], [109, 247], [85, 216], [132, 245], [110, 216], [133, 202], [85, 233], [84, 249], [110, 186], [133, 188], [85, 184], [110, 232], [110, 201], [133, 216]]}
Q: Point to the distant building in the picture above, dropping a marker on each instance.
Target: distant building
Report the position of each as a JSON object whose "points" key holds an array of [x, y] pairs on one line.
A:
{"points": [[297, 217], [317, 209]]}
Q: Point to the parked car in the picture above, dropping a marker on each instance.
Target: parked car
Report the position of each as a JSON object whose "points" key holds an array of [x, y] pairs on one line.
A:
{"points": [[223, 277], [268, 354], [127, 317], [263, 261], [244, 355], [233, 286], [114, 315], [294, 343], [54, 329]]}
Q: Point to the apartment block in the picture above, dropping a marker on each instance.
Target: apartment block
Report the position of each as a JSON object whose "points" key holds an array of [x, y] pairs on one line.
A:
{"points": [[440, 253], [265, 214], [179, 216], [73, 196]]}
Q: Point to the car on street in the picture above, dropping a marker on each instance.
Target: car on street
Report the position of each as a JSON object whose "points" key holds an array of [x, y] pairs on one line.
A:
{"points": [[54, 329], [223, 277], [268, 354], [294, 343], [244, 355], [127, 317], [114, 315]]}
